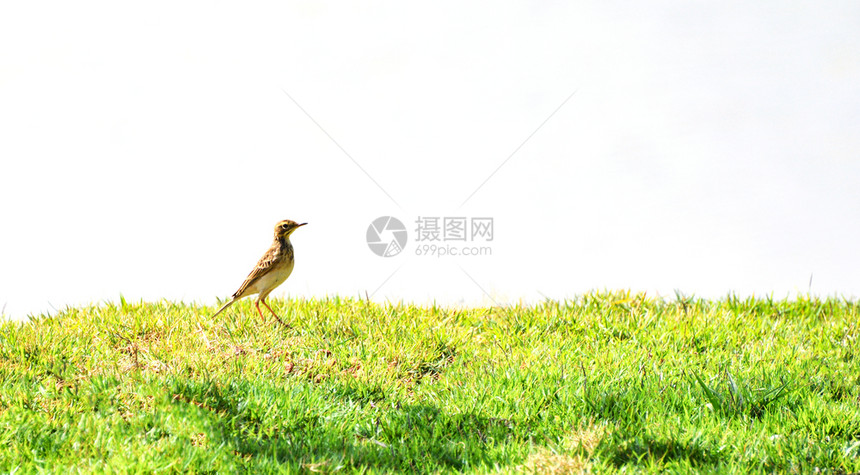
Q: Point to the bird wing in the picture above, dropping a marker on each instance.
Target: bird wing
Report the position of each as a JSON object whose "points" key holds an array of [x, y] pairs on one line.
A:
{"points": [[265, 264]]}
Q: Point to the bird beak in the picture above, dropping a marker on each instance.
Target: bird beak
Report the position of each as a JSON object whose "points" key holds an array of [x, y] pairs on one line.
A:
{"points": [[301, 225]]}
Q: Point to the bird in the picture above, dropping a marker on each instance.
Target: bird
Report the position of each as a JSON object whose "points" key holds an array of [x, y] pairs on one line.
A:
{"points": [[271, 270]]}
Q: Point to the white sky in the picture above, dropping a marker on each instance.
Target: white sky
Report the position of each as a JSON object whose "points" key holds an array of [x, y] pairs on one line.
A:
{"points": [[148, 149]]}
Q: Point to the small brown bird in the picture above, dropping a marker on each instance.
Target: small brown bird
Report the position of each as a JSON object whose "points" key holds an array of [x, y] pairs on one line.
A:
{"points": [[271, 271]]}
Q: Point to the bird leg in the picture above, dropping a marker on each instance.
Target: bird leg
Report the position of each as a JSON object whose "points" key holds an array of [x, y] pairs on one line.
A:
{"points": [[273, 312], [260, 311]]}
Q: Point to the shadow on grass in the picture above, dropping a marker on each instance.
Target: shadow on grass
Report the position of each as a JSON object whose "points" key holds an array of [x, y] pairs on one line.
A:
{"points": [[630, 446], [332, 430], [639, 449]]}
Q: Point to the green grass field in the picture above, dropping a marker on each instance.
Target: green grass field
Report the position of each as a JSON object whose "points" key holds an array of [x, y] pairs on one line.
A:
{"points": [[605, 383]]}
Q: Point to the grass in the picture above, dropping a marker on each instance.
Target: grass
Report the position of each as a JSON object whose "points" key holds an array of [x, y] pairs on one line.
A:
{"points": [[606, 382]]}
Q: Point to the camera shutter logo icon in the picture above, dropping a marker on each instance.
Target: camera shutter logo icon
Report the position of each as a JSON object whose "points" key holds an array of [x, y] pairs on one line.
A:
{"points": [[386, 236]]}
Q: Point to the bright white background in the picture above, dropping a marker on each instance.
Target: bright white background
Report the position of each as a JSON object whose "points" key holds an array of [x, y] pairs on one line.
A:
{"points": [[148, 149]]}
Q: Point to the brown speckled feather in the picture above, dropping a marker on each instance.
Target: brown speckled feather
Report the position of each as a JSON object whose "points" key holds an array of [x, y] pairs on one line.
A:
{"points": [[280, 249]]}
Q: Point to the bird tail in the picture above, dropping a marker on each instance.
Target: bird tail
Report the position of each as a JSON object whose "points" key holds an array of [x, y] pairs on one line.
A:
{"points": [[224, 307]]}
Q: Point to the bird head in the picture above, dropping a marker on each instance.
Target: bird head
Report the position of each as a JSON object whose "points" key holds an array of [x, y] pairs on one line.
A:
{"points": [[286, 227]]}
